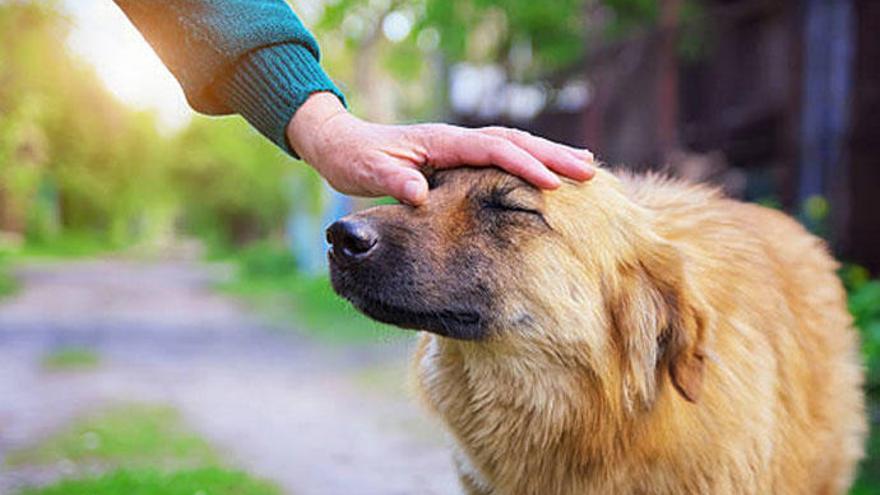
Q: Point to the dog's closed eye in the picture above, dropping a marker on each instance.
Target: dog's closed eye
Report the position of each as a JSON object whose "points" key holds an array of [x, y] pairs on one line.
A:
{"points": [[505, 200]]}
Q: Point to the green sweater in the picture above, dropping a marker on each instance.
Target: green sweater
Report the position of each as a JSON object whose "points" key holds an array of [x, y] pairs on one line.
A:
{"points": [[252, 57]]}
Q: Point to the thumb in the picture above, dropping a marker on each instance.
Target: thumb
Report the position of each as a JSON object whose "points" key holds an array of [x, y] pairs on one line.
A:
{"points": [[406, 185]]}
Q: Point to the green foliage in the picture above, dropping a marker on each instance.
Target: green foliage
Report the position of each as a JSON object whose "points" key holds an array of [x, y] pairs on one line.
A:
{"points": [[144, 449], [68, 244], [8, 284], [530, 41], [868, 481], [77, 163], [864, 304], [268, 280], [815, 215], [233, 185], [126, 435], [332, 318], [65, 134], [71, 358], [266, 261], [486, 30], [71, 156], [211, 480], [555, 34], [770, 202]]}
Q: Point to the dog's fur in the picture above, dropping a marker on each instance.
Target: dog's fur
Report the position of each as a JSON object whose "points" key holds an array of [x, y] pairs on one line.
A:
{"points": [[627, 335]]}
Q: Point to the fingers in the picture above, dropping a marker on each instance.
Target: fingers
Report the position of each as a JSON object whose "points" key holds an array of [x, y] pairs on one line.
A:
{"points": [[404, 184], [385, 160], [565, 160], [449, 146], [530, 157]]}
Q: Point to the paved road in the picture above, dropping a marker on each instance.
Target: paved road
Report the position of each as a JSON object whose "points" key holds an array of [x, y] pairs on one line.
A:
{"points": [[315, 419]]}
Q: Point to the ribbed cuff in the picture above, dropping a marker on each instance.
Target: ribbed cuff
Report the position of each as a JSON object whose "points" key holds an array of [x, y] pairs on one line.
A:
{"points": [[270, 84]]}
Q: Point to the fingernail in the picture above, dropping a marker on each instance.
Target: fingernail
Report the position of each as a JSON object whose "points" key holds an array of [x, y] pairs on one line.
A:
{"points": [[580, 169], [587, 164], [412, 191]]}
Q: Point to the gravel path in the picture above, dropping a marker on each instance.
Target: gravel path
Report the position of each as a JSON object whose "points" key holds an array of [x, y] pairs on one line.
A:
{"points": [[315, 419]]}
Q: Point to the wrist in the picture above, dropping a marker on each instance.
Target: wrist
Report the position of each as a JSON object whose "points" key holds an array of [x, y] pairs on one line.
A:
{"points": [[304, 129]]}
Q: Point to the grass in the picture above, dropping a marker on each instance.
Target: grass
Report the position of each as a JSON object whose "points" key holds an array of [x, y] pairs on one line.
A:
{"points": [[124, 435], [66, 245], [8, 284], [268, 279], [203, 481], [310, 303], [136, 449], [71, 359]]}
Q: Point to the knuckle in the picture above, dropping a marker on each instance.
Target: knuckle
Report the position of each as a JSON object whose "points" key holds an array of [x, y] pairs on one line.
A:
{"points": [[425, 129], [483, 141], [507, 132], [425, 133], [493, 129], [495, 144], [519, 133]]}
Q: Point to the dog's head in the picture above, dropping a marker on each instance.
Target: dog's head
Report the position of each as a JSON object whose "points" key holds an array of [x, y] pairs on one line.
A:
{"points": [[579, 275]]}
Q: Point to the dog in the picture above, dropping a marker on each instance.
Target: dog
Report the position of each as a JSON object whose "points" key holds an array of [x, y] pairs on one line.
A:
{"points": [[627, 335]]}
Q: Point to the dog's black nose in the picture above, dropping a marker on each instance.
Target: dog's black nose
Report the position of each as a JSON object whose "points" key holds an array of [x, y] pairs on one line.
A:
{"points": [[352, 239]]}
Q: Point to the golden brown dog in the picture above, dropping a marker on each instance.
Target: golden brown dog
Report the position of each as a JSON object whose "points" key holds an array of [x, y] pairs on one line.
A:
{"points": [[628, 335]]}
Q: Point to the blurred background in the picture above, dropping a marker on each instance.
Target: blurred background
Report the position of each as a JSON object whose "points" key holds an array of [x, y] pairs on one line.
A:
{"points": [[166, 323]]}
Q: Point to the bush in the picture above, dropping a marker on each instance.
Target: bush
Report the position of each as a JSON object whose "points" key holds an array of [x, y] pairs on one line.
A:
{"points": [[864, 304]]}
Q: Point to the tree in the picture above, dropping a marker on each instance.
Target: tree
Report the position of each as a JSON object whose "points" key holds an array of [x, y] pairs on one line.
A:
{"points": [[529, 40]]}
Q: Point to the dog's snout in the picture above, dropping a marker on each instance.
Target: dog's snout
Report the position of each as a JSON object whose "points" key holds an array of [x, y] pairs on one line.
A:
{"points": [[352, 239]]}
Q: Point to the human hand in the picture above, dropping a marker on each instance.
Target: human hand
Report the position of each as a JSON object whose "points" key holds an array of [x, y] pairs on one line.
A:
{"points": [[365, 159]]}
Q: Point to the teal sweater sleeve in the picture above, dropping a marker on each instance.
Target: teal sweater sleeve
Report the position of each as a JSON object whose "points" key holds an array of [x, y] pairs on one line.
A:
{"points": [[252, 57]]}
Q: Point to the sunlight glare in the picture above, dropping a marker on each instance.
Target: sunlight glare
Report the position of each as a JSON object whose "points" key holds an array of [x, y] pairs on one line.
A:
{"points": [[104, 37]]}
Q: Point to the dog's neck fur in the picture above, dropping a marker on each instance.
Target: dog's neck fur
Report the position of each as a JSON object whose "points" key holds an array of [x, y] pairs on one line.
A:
{"points": [[559, 412]]}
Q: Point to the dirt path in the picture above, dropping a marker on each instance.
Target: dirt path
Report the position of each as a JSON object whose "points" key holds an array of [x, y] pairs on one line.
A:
{"points": [[316, 420]]}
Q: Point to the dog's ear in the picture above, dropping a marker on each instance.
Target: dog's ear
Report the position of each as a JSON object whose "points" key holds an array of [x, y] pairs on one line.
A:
{"points": [[659, 324], [685, 350]]}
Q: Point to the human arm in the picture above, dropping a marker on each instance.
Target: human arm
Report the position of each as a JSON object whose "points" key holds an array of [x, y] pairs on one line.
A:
{"points": [[254, 57], [366, 159]]}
